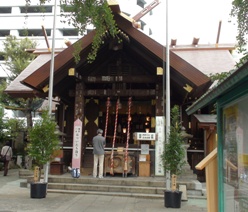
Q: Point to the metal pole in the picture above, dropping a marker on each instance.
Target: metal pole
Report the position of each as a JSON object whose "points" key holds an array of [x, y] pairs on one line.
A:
{"points": [[50, 92], [167, 87]]}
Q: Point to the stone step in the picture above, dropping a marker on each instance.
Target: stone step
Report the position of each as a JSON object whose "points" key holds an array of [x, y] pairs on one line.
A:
{"points": [[139, 195], [139, 186], [25, 173], [146, 187], [129, 181], [114, 189], [107, 188]]}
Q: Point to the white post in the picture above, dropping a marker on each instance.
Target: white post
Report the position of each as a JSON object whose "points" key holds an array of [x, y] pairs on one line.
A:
{"points": [[167, 87], [50, 92]]}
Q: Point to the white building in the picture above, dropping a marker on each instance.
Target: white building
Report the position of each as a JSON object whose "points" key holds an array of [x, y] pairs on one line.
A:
{"points": [[15, 17]]}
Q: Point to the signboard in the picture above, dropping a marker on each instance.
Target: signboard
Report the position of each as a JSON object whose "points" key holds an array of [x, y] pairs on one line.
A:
{"points": [[142, 136], [145, 149], [77, 138], [159, 145]]}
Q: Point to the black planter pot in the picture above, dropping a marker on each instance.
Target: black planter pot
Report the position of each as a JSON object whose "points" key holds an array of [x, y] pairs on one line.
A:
{"points": [[38, 190], [172, 199]]}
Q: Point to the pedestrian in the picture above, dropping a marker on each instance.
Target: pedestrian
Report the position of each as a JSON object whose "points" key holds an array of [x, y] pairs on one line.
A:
{"points": [[99, 143], [6, 151]]}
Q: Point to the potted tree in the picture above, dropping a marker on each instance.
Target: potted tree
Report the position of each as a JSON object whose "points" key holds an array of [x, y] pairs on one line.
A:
{"points": [[173, 159], [43, 142]]}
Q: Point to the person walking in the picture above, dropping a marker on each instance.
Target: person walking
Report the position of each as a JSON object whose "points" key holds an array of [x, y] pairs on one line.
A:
{"points": [[6, 151], [99, 143]]}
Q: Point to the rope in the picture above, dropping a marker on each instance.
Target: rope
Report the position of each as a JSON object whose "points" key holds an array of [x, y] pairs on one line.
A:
{"points": [[113, 144], [128, 132], [107, 116]]}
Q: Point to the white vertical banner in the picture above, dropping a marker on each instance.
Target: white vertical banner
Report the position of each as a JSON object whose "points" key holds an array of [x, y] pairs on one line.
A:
{"points": [[159, 145], [77, 139]]}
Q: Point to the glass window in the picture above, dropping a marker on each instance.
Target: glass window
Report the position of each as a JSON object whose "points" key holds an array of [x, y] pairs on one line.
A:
{"points": [[70, 32], [235, 156], [34, 32], [4, 10], [36, 9], [4, 33]]}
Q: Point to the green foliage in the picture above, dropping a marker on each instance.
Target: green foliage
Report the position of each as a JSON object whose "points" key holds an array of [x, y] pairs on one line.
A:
{"points": [[77, 50], [15, 126], [3, 127], [15, 56], [218, 76], [16, 60], [173, 155], [4, 98], [240, 11], [80, 14], [43, 141]]}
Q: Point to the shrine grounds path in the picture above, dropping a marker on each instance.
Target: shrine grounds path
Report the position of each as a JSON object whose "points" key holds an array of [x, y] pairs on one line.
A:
{"points": [[14, 198]]}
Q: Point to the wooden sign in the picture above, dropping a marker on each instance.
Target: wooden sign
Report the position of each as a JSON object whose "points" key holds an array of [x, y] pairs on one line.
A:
{"points": [[142, 136], [159, 145], [77, 138], [173, 182], [36, 173]]}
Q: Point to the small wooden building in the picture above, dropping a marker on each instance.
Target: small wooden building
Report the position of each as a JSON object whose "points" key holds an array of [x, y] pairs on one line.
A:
{"points": [[131, 69], [230, 97]]}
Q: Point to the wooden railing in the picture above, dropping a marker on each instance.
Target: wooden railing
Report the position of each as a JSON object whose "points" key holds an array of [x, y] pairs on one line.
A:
{"points": [[210, 165]]}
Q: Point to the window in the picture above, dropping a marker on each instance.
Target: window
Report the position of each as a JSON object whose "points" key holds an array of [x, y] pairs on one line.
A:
{"points": [[142, 23], [1, 57], [235, 156], [4, 10], [4, 33], [150, 31], [36, 9], [33, 32], [141, 3], [70, 32]]}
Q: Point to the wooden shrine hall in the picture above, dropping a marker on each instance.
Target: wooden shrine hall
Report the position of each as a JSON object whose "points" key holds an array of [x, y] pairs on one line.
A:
{"points": [[121, 91]]}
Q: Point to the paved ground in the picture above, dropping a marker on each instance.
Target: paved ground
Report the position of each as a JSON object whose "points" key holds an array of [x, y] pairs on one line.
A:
{"points": [[13, 198]]}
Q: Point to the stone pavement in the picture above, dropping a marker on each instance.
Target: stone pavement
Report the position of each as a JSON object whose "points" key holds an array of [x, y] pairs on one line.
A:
{"points": [[13, 198]]}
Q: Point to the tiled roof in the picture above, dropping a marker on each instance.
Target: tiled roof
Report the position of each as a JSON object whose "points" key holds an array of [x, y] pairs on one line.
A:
{"points": [[209, 61], [16, 86]]}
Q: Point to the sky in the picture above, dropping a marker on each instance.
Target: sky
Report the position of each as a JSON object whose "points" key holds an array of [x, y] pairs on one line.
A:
{"points": [[189, 19]]}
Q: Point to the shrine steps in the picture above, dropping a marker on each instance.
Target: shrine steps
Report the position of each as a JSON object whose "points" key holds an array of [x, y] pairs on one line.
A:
{"points": [[132, 186], [145, 187]]}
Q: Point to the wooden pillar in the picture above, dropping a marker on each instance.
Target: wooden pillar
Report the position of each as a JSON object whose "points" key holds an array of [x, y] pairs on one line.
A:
{"points": [[79, 112], [159, 129], [79, 102], [159, 99]]}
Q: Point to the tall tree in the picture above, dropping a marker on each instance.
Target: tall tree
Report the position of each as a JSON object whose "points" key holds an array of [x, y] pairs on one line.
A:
{"points": [[3, 127], [240, 11], [16, 60]]}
